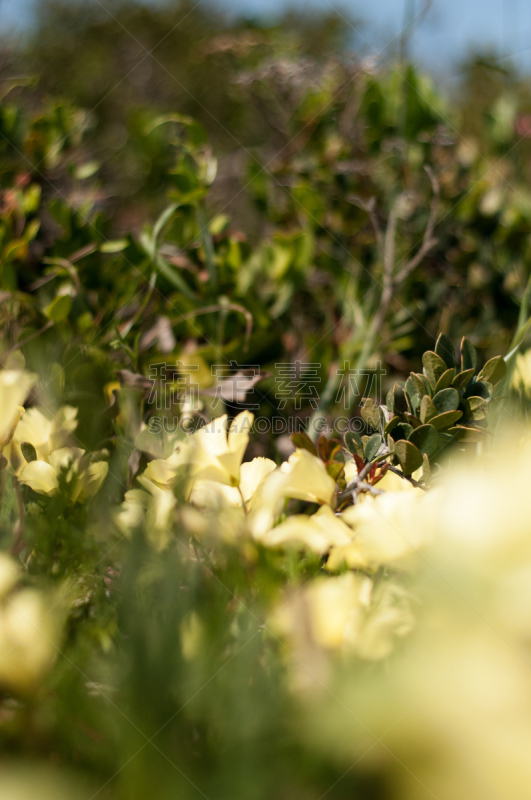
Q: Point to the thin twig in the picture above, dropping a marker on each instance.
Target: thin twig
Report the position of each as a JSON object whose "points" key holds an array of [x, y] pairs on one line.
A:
{"points": [[366, 487], [427, 241], [359, 479], [369, 208], [411, 480], [390, 235], [390, 281]]}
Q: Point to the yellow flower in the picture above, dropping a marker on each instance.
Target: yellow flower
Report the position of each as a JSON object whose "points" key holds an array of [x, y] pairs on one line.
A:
{"points": [[27, 638], [40, 476], [28, 633], [161, 506], [209, 453], [347, 612], [302, 477], [307, 478], [15, 386], [385, 532], [209, 493], [132, 510], [164, 471], [45, 433], [217, 455], [316, 533], [84, 477], [155, 506]]}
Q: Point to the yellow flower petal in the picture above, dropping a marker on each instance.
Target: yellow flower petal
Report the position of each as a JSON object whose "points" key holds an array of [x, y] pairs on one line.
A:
{"points": [[27, 637], [39, 476], [307, 478], [386, 531], [316, 533], [15, 386]]}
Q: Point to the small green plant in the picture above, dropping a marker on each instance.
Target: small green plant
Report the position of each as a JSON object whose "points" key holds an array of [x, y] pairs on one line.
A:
{"points": [[447, 404]]}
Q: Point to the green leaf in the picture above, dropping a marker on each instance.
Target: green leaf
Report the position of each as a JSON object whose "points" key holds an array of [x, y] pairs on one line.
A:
{"points": [[334, 469], [461, 380], [469, 356], [303, 442], [28, 451], [323, 448], [445, 380], [163, 219], [493, 371], [478, 407], [445, 349], [59, 308], [425, 439], [434, 367], [385, 416], [353, 443], [399, 399], [370, 413], [393, 422], [445, 420], [427, 409], [372, 446], [114, 246], [420, 384], [402, 431], [409, 456], [87, 170], [412, 395], [479, 389], [446, 400], [173, 277], [465, 434]]}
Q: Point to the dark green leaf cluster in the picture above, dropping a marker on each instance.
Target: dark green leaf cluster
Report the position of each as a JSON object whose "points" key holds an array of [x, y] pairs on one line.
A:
{"points": [[446, 404]]}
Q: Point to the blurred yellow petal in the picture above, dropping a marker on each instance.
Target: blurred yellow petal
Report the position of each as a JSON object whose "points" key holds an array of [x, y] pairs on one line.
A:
{"points": [[39, 476], [387, 530], [91, 480], [15, 385], [316, 533], [27, 640], [8, 429], [212, 494], [65, 457], [160, 509], [164, 471], [347, 612]]}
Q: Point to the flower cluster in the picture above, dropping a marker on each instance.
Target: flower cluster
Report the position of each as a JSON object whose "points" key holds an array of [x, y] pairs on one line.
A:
{"points": [[293, 506]]}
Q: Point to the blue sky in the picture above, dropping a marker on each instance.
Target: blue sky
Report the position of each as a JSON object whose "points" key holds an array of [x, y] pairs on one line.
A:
{"points": [[449, 30]]}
